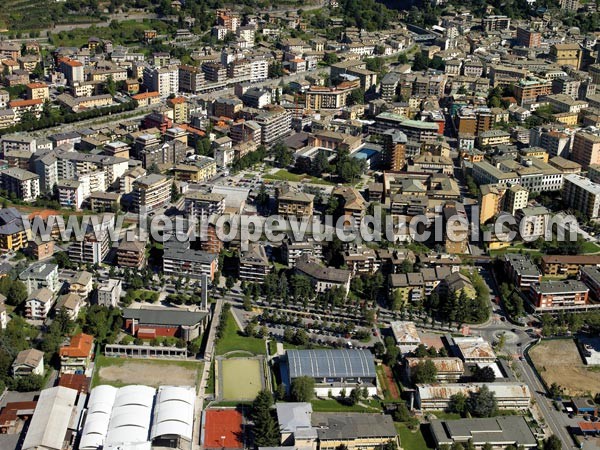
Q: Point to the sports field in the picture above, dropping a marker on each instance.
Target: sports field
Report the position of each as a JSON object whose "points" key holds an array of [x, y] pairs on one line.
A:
{"points": [[242, 378], [558, 361]]}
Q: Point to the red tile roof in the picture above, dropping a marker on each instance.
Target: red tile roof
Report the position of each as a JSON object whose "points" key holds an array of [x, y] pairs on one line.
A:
{"points": [[24, 103], [80, 346], [145, 95], [72, 62], [37, 85]]}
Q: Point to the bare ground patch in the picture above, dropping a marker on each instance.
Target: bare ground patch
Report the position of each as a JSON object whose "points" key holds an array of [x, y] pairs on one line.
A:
{"points": [[558, 361], [148, 373]]}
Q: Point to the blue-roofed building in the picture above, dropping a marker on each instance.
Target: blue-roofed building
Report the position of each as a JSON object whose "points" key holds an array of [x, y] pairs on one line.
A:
{"points": [[334, 371], [369, 155]]}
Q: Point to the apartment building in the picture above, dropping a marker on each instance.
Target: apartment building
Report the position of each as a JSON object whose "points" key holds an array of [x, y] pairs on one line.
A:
{"points": [[39, 304], [586, 149], [92, 249], [516, 198], [555, 296], [292, 203], [590, 276], [151, 192], [170, 153], [147, 98], [41, 275], [529, 38], [199, 204], [180, 108], [521, 271], [567, 265], [203, 168], [254, 264], [491, 199], [131, 253], [275, 123], [532, 221], [180, 260], [361, 260], [567, 86], [528, 91], [323, 278], [322, 97], [70, 194], [227, 107], [23, 184], [556, 143], [77, 355], [13, 235], [38, 91], [21, 107], [164, 80], [393, 155], [191, 79], [291, 250], [389, 84], [72, 70], [214, 71], [495, 23], [582, 194], [109, 292]]}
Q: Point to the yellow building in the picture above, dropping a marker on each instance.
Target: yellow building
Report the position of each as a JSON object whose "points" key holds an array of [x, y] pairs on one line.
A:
{"points": [[180, 109], [566, 54], [491, 197], [535, 152], [13, 235], [203, 169], [293, 203], [568, 118], [38, 90]]}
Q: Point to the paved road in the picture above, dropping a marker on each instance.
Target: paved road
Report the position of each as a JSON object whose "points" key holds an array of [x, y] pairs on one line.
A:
{"points": [[553, 418]]}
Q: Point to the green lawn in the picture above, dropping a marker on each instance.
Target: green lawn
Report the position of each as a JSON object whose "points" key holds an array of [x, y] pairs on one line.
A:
{"points": [[411, 440], [210, 384], [332, 405], [443, 415], [590, 247], [233, 339], [284, 175]]}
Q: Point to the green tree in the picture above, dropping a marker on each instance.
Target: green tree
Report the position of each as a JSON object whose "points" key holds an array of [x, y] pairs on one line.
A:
{"points": [[483, 374], [266, 430], [420, 62], [356, 97], [424, 372], [330, 58], [111, 86], [552, 443], [354, 396], [482, 403], [302, 389], [458, 403]]}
